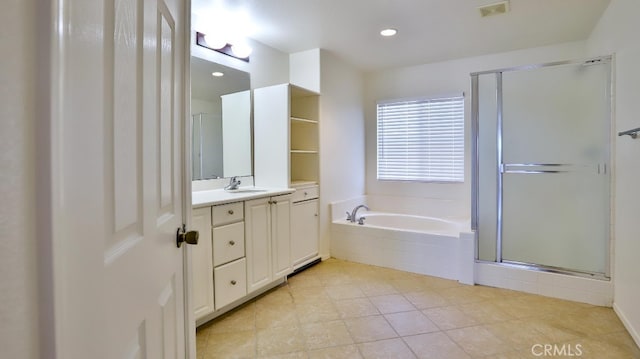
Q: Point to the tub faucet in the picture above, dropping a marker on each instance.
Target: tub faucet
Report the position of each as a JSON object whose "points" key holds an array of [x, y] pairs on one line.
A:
{"points": [[234, 182], [352, 217]]}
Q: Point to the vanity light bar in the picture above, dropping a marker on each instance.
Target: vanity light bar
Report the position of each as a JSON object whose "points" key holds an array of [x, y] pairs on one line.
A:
{"points": [[201, 41]]}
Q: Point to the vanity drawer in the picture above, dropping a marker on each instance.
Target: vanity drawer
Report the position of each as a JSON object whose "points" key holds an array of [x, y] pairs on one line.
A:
{"points": [[228, 243], [228, 213], [230, 282], [305, 193]]}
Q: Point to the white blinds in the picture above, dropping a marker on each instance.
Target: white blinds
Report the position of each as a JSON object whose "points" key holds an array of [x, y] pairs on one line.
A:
{"points": [[421, 140]]}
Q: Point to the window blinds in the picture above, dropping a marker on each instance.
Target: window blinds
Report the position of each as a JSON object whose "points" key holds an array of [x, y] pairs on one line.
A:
{"points": [[421, 140]]}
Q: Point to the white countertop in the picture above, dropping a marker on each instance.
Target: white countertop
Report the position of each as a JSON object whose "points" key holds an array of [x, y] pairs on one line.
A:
{"points": [[220, 196]]}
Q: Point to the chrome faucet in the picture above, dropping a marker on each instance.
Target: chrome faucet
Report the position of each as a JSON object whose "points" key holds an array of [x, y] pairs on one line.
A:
{"points": [[234, 182], [351, 217]]}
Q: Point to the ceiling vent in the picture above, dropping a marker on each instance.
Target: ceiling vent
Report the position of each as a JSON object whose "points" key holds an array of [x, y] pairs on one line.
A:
{"points": [[494, 9]]}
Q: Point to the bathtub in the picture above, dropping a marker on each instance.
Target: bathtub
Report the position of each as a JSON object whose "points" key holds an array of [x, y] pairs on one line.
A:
{"points": [[441, 247]]}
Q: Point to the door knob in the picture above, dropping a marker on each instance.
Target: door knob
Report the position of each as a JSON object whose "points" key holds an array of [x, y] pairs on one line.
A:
{"points": [[190, 237]]}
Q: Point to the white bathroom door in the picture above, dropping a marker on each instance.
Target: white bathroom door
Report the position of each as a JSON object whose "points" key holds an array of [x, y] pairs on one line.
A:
{"points": [[119, 196]]}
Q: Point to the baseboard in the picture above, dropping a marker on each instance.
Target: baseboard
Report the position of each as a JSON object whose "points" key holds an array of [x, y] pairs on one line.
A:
{"points": [[627, 324]]}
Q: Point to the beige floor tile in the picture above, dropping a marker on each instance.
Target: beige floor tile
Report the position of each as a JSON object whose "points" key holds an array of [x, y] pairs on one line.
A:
{"points": [[278, 296], [326, 334], [449, 318], [295, 355], [426, 299], [624, 341], [461, 295], [435, 346], [279, 341], [386, 349], [276, 316], [367, 329], [411, 323], [342, 352], [337, 292], [522, 306], [375, 288], [392, 303], [595, 321], [408, 285], [309, 295], [305, 313], [478, 341], [485, 312], [519, 334], [303, 280], [597, 348], [554, 327], [317, 312], [439, 283], [239, 319], [357, 307], [240, 344], [336, 279]]}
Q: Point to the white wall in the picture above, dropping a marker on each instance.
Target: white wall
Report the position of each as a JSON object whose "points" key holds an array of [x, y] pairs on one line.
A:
{"points": [[18, 249], [441, 79], [617, 32], [342, 158]]}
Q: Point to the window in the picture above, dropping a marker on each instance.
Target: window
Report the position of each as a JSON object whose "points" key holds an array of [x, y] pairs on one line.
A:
{"points": [[421, 140]]}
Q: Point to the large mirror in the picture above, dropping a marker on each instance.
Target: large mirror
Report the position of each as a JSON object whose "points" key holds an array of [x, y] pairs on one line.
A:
{"points": [[221, 121]]}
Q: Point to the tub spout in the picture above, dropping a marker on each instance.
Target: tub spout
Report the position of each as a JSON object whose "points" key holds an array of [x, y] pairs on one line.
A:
{"points": [[353, 217]]}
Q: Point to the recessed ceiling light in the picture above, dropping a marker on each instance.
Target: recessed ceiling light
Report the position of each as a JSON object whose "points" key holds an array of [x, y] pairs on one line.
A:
{"points": [[388, 32], [217, 74]]}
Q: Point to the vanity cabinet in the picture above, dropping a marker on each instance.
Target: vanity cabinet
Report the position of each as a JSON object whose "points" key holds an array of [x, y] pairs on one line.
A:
{"points": [[304, 226], [268, 240], [202, 263]]}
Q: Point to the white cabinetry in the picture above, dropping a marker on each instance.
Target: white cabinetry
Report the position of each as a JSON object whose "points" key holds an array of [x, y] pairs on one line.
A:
{"points": [[304, 226], [286, 136], [286, 122], [202, 263], [268, 240], [229, 273]]}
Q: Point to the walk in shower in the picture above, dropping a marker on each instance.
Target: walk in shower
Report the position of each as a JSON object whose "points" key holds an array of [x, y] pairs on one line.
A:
{"points": [[541, 167]]}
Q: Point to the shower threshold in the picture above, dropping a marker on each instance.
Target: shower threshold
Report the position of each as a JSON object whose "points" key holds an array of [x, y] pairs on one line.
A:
{"points": [[549, 269]]}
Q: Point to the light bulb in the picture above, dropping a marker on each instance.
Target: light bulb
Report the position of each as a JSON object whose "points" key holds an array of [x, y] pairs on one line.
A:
{"points": [[215, 41], [241, 50]]}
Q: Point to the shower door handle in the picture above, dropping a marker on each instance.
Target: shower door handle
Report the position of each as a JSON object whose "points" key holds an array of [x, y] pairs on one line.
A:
{"points": [[532, 168], [546, 168]]}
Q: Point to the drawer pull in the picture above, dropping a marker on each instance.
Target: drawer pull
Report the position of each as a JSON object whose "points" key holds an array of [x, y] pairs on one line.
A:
{"points": [[230, 211], [306, 193], [232, 243], [233, 282]]}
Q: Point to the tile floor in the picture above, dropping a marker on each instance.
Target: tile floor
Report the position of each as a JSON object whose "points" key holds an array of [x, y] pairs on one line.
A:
{"points": [[340, 309]]}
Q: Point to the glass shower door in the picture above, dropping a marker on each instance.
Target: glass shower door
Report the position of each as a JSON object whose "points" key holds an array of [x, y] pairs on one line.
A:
{"points": [[554, 170]]}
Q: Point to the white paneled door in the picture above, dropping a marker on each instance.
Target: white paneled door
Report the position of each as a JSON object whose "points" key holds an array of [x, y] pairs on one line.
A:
{"points": [[118, 95]]}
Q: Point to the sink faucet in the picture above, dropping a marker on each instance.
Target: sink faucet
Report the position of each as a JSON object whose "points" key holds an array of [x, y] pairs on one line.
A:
{"points": [[352, 217], [234, 182]]}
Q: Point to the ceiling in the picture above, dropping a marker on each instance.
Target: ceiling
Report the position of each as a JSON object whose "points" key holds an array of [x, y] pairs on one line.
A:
{"points": [[428, 30]]}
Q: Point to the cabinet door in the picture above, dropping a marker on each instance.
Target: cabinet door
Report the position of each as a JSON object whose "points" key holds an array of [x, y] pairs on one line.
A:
{"points": [[202, 263], [281, 235], [304, 231], [257, 243]]}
